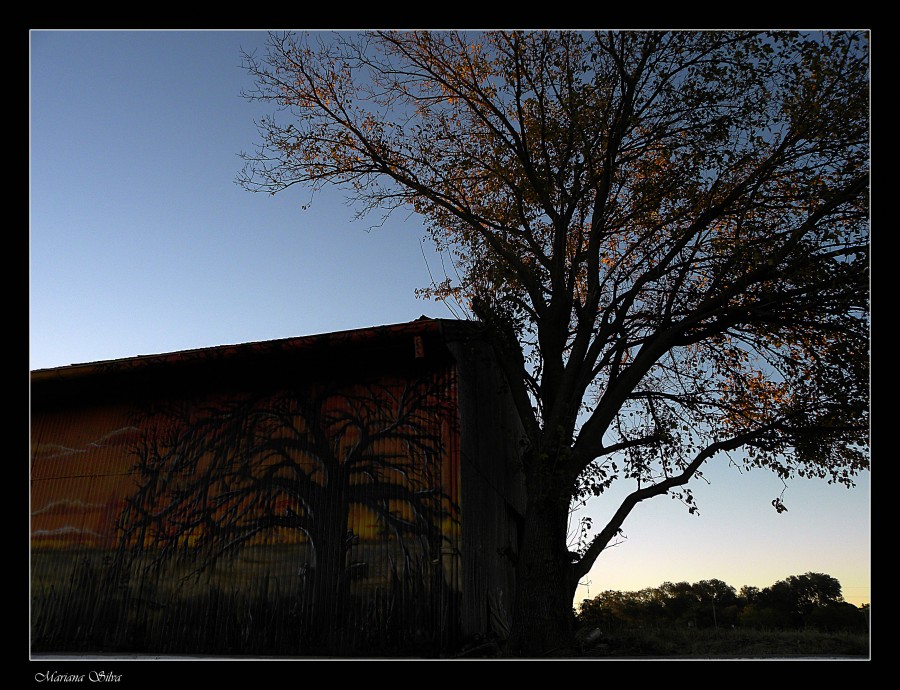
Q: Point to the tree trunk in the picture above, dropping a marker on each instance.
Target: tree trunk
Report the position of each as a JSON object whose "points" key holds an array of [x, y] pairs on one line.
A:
{"points": [[545, 584], [326, 596]]}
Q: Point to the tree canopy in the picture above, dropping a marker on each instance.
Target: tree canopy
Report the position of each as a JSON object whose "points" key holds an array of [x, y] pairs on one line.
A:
{"points": [[665, 233], [811, 600]]}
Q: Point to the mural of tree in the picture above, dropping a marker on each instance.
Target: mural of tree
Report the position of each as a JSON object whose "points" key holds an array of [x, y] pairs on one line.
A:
{"points": [[299, 464]]}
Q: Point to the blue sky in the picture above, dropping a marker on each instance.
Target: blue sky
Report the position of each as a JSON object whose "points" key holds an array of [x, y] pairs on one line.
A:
{"points": [[141, 243]]}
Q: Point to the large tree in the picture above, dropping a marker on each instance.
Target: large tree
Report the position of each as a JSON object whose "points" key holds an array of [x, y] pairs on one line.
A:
{"points": [[665, 234]]}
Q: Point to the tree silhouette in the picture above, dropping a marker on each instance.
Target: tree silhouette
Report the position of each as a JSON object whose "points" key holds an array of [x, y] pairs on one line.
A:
{"points": [[812, 599], [797, 596], [665, 234], [215, 478]]}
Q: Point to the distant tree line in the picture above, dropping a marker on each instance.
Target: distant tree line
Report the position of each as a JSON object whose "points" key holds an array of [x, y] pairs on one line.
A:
{"points": [[812, 600]]}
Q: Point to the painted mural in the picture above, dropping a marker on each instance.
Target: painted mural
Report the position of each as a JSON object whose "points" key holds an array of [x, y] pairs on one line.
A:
{"points": [[303, 519]]}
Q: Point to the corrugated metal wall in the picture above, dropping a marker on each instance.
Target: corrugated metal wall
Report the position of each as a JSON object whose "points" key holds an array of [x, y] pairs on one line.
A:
{"points": [[310, 520], [492, 492]]}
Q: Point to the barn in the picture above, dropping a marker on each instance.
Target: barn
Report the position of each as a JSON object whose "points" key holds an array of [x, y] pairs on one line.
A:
{"points": [[347, 494]]}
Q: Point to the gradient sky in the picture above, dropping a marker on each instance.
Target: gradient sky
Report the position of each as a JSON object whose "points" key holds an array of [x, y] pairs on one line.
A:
{"points": [[142, 243]]}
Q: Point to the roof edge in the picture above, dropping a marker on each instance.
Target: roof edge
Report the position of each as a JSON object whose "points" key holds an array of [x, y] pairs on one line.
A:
{"points": [[218, 353]]}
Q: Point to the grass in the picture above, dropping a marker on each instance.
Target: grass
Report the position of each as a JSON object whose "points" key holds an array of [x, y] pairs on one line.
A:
{"points": [[84, 604], [728, 643], [81, 604]]}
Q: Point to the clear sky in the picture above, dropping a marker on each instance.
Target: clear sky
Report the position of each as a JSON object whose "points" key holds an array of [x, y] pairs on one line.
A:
{"points": [[142, 243]]}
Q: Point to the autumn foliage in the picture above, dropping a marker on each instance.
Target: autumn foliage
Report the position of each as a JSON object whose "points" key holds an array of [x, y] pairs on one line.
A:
{"points": [[665, 234]]}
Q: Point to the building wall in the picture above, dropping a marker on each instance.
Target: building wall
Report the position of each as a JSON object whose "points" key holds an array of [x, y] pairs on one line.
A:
{"points": [[313, 514], [492, 494], [353, 496]]}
